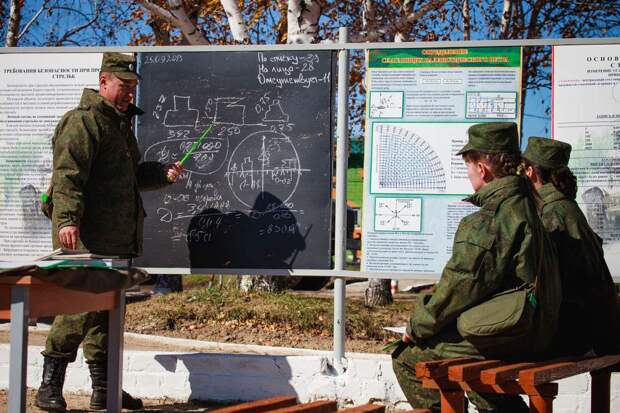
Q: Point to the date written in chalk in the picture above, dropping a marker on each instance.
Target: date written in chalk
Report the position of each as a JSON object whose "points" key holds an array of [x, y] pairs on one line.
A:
{"points": [[162, 59]]}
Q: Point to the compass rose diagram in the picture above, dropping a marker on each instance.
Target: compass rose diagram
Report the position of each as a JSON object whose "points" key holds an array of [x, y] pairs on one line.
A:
{"points": [[264, 162], [398, 214]]}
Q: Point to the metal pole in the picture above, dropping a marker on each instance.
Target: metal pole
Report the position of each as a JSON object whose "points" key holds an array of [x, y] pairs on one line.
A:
{"points": [[116, 324], [20, 308], [341, 194]]}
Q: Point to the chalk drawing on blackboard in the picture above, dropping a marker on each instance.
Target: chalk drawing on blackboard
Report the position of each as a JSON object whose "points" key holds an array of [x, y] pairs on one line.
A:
{"points": [[206, 160], [182, 114], [265, 161], [229, 111], [275, 113]]}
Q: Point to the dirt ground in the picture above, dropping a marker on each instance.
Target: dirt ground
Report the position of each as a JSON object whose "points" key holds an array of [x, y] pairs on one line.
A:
{"points": [[292, 319], [77, 403]]}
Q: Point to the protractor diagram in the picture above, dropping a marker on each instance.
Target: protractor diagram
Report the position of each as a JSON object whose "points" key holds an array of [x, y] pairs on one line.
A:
{"points": [[406, 162]]}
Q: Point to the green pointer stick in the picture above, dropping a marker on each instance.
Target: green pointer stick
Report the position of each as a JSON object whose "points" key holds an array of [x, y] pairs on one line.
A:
{"points": [[195, 146]]}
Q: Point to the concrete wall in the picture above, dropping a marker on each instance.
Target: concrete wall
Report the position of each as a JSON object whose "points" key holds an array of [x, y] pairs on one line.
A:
{"points": [[231, 377]]}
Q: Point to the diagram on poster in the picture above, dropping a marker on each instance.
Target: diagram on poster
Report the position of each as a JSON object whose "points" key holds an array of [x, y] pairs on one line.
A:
{"points": [[407, 161], [398, 214], [413, 158], [386, 104], [491, 105]]}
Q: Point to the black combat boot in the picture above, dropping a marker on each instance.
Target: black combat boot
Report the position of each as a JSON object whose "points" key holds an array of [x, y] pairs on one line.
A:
{"points": [[49, 397], [98, 400]]}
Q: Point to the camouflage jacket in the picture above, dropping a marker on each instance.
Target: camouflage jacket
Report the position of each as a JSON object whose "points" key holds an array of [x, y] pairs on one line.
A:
{"points": [[97, 177], [583, 269], [497, 248]]}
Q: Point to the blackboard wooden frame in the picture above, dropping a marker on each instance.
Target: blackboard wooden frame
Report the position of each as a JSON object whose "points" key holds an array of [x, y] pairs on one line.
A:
{"points": [[257, 193]]}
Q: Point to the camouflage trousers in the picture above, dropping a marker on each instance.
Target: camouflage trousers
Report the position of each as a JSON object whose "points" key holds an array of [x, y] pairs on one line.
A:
{"points": [[448, 344], [69, 331]]}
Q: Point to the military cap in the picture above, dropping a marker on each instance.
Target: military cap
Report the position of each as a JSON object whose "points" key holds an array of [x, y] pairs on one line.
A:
{"points": [[548, 153], [493, 137], [121, 65]]}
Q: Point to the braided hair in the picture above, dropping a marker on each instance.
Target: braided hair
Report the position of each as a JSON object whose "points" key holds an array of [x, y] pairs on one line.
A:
{"points": [[562, 178]]}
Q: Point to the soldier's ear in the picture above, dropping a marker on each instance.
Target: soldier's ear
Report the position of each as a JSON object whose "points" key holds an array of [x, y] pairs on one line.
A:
{"points": [[531, 173], [484, 171]]}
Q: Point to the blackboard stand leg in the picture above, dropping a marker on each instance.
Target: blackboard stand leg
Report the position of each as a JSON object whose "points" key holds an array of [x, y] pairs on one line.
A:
{"points": [[341, 196]]}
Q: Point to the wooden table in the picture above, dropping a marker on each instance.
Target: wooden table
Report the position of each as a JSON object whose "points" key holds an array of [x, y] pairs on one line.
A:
{"points": [[27, 296]]}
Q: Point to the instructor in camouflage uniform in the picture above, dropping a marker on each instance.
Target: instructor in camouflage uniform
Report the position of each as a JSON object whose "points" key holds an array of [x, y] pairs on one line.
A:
{"points": [[500, 247], [96, 181], [589, 316]]}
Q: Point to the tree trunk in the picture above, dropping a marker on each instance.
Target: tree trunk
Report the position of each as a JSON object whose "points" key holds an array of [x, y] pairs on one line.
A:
{"points": [[466, 21], [378, 293], [302, 18], [235, 21], [15, 17], [177, 15], [264, 283], [505, 19]]}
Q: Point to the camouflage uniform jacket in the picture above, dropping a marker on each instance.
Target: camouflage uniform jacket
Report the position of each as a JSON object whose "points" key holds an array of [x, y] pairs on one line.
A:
{"points": [[497, 248], [582, 267], [97, 177]]}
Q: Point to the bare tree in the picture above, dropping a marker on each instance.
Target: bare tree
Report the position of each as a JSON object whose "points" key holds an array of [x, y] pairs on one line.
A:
{"points": [[68, 22]]}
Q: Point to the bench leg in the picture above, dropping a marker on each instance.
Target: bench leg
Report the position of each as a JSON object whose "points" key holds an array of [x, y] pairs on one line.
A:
{"points": [[539, 404], [452, 401], [600, 391]]}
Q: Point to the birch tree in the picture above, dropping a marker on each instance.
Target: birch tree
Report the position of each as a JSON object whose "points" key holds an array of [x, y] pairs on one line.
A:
{"points": [[15, 17]]}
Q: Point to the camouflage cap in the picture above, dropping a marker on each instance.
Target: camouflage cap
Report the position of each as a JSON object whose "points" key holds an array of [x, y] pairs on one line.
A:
{"points": [[493, 137], [121, 65], [548, 153]]}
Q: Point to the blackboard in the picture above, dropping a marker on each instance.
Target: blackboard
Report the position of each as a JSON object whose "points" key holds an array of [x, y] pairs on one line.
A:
{"points": [[257, 192]]}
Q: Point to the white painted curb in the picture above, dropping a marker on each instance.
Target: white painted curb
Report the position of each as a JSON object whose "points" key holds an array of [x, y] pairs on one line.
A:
{"points": [[307, 374]]}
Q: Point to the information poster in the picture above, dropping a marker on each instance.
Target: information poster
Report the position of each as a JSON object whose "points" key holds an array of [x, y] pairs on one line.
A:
{"points": [[35, 91], [420, 104], [586, 114]]}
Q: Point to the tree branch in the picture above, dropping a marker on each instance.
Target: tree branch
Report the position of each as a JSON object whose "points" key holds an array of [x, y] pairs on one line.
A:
{"points": [[400, 27], [31, 21], [77, 29], [178, 17]]}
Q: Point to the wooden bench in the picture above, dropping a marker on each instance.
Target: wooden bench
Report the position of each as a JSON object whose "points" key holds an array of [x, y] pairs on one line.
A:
{"points": [[452, 377]]}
